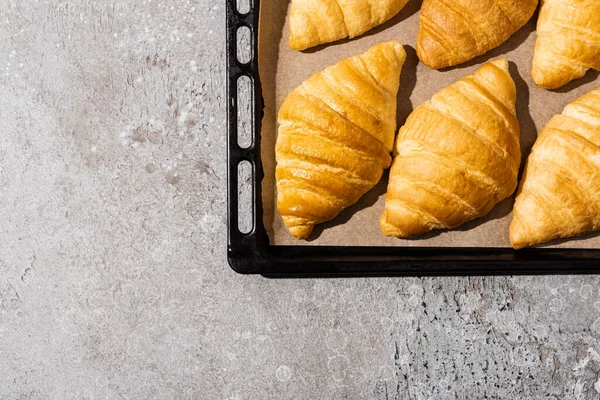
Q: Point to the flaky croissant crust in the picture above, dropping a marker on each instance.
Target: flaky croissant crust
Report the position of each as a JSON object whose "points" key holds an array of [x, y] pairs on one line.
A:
{"points": [[455, 31], [559, 194], [568, 42], [335, 135], [314, 22], [457, 156]]}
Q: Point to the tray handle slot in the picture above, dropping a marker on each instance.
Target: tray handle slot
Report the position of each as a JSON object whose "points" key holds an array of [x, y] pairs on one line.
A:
{"points": [[245, 114], [245, 192], [244, 44], [243, 7]]}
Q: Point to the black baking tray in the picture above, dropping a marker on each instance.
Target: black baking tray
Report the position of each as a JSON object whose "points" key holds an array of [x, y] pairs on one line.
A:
{"points": [[251, 253]]}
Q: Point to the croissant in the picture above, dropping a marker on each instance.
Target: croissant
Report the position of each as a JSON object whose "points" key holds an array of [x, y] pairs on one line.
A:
{"points": [[335, 135], [559, 195], [454, 31], [314, 22], [456, 157], [568, 42]]}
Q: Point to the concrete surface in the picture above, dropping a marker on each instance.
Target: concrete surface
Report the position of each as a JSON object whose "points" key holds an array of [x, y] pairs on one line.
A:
{"points": [[113, 279]]}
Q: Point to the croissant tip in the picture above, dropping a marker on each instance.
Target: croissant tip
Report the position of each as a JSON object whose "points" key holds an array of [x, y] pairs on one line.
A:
{"points": [[394, 45], [397, 44], [545, 77], [431, 54], [298, 45], [517, 245], [301, 232], [386, 228], [548, 84], [501, 63], [518, 240], [432, 63]]}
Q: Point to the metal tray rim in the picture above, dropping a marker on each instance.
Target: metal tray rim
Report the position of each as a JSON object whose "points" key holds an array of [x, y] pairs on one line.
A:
{"points": [[251, 253]]}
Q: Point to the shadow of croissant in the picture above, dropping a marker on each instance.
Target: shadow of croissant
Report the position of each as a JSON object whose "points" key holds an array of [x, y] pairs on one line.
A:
{"points": [[589, 77], [500, 211], [408, 82], [572, 241], [529, 129]]}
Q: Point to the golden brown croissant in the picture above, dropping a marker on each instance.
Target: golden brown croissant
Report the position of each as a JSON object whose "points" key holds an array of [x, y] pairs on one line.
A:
{"points": [[454, 31], [559, 195], [314, 22], [335, 135], [568, 42], [456, 157]]}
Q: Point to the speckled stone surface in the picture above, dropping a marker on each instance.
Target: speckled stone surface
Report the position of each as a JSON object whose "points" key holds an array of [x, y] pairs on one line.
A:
{"points": [[113, 277]]}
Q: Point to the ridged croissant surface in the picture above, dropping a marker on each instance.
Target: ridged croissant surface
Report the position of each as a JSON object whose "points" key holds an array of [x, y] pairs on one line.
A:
{"points": [[559, 195], [335, 135], [314, 22], [456, 157], [568, 42], [455, 31]]}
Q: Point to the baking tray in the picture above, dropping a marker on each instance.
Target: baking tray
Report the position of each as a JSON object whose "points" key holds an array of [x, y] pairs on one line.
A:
{"points": [[251, 253]]}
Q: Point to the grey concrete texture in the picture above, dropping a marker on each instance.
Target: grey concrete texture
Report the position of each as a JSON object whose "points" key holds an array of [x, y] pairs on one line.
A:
{"points": [[113, 277]]}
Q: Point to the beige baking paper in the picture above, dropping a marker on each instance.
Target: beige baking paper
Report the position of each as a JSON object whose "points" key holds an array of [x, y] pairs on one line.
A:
{"points": [[282, 69]]}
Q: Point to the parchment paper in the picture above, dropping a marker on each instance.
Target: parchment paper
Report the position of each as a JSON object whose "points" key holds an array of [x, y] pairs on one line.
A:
{"points": [[282, 69]]}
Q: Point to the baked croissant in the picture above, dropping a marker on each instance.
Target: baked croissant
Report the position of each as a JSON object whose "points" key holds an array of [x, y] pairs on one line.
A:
{"points": [[314, 22], [454, 31], [559, 195], [456, 157], [335, 135], [568, 42]]}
